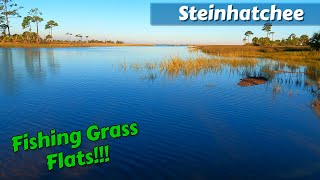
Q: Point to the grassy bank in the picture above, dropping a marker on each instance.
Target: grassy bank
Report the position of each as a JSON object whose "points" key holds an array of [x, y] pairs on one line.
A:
{"points": [[297, 55], [63, 45]]}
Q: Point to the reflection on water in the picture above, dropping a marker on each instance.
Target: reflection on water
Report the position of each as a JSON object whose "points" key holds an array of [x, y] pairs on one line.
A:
{"points": [[36, 63], [52, 63], [194, 118], [33, 63], [7, 76]]}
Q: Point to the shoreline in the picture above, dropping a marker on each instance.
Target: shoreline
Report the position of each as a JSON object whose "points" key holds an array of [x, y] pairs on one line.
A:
{"points": [[65, 45], [299, 55]]}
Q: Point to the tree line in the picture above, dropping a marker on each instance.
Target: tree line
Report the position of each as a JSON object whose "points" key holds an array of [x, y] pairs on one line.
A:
{"points": [[80, 38], [9, 9], [292, 40]]}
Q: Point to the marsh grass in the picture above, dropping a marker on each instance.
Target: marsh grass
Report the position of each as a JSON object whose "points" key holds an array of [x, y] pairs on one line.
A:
{"points": [[123, 66], [136, 66], [150, 65], [278, 76], [175, 66], [247, 67], [189, 67], [294, 55], [281, 75], [293, 58]]}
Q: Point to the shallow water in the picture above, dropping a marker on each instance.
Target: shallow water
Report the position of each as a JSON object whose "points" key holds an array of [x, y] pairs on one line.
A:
{"points": [[190, 127]]}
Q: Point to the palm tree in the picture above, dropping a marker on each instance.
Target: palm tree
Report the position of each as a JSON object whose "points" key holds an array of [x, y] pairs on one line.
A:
{"points": [[267, 28], [3, 25], [26, 23], [68, 34], [248, 34], [35, 18], [244, 40], [272, 33], [304, 39], [79, 36], [292, 36], [3, 28], [9, 9], [50, 25], [87, 38]]}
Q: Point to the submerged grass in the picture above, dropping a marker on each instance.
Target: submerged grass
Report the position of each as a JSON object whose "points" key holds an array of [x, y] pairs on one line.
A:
{"points": [[150, 77]]}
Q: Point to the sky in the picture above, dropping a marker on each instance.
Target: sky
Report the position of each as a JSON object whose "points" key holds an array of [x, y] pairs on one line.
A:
{"points": [[129, 21]]}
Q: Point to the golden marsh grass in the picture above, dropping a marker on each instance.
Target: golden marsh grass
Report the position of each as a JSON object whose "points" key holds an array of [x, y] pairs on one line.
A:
{"points": [[245, 64], [295, 55], [175, 66]]}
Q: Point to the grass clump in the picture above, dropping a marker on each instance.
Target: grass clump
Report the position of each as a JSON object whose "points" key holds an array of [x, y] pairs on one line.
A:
{"points": [[175, 65]]}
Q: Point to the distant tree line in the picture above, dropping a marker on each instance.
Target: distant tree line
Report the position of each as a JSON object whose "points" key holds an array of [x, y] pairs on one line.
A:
{"points": [[9, 9], [292, 40], [80, 39]]}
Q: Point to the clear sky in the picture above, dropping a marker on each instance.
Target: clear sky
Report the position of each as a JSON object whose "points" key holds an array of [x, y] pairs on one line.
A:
{"points": [[129, 21]]}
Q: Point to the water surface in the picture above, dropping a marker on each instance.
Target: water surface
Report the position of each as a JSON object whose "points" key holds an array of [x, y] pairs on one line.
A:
{"points": [[201, 126]]}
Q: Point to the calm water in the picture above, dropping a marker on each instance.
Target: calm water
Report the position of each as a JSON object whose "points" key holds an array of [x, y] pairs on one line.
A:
{"points": [[197, 127]]}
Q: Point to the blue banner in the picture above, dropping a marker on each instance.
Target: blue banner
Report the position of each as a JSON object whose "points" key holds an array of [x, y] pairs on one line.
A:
{"points": [[229, 14]]}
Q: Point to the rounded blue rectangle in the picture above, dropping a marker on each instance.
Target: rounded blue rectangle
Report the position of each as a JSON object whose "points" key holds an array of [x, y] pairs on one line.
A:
{"points": [[167, 14]]}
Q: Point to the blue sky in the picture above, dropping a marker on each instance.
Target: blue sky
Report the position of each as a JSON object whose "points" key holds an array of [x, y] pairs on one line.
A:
{"points": [[129, 21]]}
